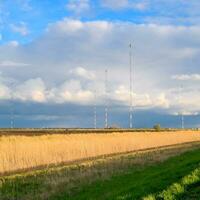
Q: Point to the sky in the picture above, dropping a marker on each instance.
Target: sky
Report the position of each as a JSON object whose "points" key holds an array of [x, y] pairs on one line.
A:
{"points": [[53, 57]]}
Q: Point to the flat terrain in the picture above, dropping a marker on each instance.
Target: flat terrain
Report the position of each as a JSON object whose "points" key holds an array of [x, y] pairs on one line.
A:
{"points": [[19, 152], [171, 172], [139, 183]]}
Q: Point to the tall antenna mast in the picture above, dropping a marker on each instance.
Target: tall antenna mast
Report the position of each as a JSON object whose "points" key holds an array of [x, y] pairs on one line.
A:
{"points": [[181, 112], [106, 98], [95, 110], [182, 121], [12, 111], [131, 88], [11, 116]]}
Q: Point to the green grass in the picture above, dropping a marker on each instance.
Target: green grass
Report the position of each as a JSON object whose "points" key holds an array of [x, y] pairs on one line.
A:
{"points": [[187, 187], [136, 183], [191, 193]]}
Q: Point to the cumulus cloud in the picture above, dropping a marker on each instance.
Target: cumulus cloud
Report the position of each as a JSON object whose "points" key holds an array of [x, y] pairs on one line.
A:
{"points": [[70, 91], [9, 63], [5, 92], [122, 94], [159, 52], [124, 4], [78, 6], [187, 77], [173, 12], [30, 90], [81, 72], [36, 90], [142, 100], [162, 101], [186, 113], [165, 12], [13, 43], [20, 28], [115, 4]]}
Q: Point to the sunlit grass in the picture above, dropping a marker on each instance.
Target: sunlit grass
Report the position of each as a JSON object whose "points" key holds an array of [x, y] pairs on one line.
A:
{"points": [[178, 188]]}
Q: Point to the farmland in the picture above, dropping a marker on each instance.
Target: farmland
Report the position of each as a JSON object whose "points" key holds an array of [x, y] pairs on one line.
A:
{"points": [[137, 165], [22, 152]]}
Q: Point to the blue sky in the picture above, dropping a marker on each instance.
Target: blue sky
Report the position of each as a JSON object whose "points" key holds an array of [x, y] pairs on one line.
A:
{"points": [[53, 55], [36, 15]]}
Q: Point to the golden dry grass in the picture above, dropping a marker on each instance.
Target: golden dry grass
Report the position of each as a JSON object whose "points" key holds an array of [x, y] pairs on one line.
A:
{"points": [[21, 152]]}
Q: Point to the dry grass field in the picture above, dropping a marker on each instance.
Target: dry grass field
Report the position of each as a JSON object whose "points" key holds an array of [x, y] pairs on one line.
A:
{"points": [[22, 152]]}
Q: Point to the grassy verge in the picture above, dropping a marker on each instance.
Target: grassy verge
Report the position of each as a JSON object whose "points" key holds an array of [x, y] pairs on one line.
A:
{"points": [[191, 193], [187, 188], [129, 176], [137, 183]]}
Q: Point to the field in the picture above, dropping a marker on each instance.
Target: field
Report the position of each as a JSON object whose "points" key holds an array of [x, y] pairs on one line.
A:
{"points": [[25, 152], [139, 165]]}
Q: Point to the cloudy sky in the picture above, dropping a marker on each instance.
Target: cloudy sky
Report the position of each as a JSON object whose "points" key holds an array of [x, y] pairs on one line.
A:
{"points": [[53, 56]]}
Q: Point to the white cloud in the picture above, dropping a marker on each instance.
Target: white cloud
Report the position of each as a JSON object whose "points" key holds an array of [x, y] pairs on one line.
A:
{"points": [[73, 28], [9, 63], [165, 12], [70, 91], [13, 43], [35, 90], [83, 73], [173, 12], [80, 97], [78, 6], [20, 28], [187, 77], [162, 101], [159, 52], [122, 94], [115, 4], [186, 113], [67, 25], [5, 92], [144, 100], [124, 4], [31, 90]]}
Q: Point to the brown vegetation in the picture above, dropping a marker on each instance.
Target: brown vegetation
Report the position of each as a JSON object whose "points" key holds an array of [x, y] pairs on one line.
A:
{"points": [[21, 152]]}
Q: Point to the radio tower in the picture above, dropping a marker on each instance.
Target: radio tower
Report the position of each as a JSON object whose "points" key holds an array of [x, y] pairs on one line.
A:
{"points": [[11, 116], [95, 110], [106, 98], [182, 121], [131, 88], [181, 112]]}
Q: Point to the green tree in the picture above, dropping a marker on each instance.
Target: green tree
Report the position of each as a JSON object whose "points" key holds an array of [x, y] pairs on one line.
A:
{"points": [[157, 127]]}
